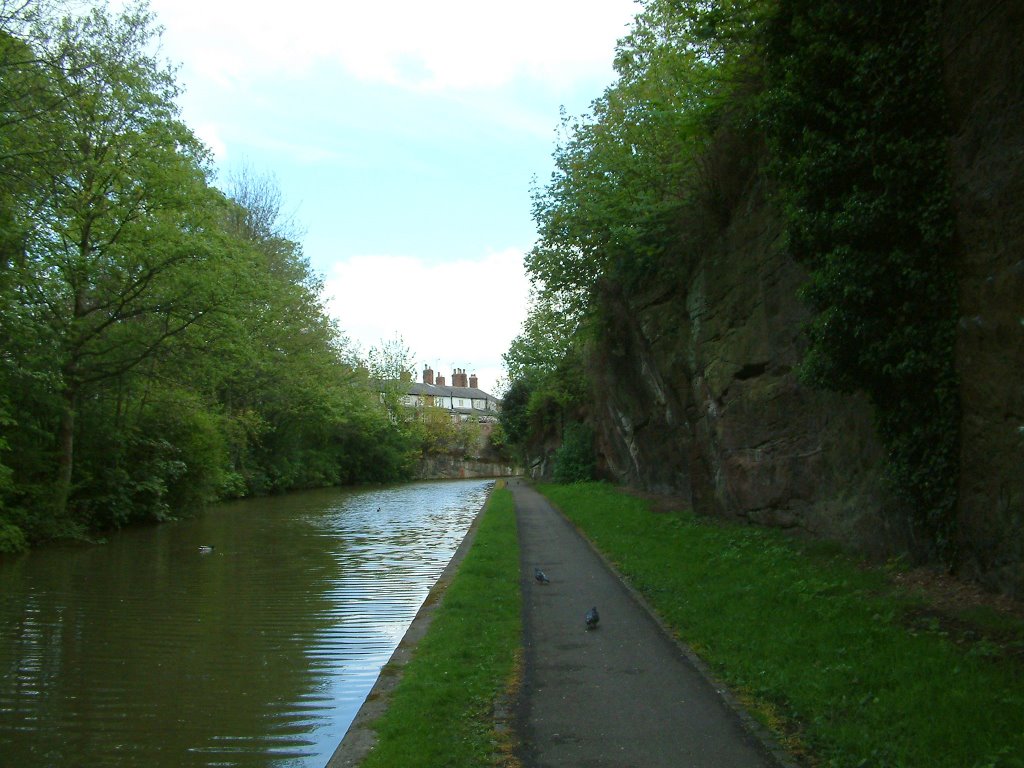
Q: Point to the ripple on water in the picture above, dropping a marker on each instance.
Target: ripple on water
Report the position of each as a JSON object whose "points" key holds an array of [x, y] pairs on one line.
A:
{"points": [[145, 651]]}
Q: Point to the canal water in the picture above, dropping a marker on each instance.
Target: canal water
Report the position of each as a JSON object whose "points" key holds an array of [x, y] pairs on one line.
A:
{"points": [[147, 651]]}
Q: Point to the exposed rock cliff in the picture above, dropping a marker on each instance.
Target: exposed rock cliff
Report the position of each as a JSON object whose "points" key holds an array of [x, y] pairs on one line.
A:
{"points": [[985, 89], [698, 396], [696, 392]]}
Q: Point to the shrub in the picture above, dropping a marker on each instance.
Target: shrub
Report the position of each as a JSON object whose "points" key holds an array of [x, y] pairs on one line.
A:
{"points": [[574, 459]]}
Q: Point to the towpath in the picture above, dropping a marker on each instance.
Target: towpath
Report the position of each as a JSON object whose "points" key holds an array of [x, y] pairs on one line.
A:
{"points": [[623, 695]]}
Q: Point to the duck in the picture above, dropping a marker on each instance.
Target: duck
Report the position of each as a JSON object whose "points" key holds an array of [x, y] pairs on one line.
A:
{"points": [[206, 548]]}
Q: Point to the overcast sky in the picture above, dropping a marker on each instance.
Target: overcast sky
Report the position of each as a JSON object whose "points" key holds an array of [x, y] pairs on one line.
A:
{"points": [[404, 136]]}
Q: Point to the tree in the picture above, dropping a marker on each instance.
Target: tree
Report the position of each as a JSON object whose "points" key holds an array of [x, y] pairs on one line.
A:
{"points": [[626, 173], [118, 260], [639, 187], [28, 105], [514, 417], [163, 343], [573, 462], [391, 369]]}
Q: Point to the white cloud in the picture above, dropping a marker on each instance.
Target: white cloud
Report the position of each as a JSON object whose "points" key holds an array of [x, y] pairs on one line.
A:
{"points": [[209, 134], [457, 313], [447, 44], [400, 106]]}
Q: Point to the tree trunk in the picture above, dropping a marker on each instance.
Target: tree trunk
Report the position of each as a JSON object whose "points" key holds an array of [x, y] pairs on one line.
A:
{"points": [[66, 451]]}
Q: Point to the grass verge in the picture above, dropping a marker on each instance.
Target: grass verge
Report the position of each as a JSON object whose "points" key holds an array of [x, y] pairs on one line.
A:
{"points": [[846, 668], [442, 711]]}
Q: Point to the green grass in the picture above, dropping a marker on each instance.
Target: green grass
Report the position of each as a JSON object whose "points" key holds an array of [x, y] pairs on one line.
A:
{"points": [[847, 670], [441, 712]]}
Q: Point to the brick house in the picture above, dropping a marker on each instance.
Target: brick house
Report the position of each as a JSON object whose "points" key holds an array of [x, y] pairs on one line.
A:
{"points": [[463, 398]]}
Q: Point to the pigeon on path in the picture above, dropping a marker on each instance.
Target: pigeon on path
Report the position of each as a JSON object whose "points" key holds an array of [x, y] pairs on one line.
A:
{"points": [[540, 576], [592, 618]]}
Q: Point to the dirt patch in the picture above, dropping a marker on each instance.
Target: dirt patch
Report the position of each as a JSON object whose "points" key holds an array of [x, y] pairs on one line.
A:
{"points": [[952, 596], [980, 622], [660, 503]]}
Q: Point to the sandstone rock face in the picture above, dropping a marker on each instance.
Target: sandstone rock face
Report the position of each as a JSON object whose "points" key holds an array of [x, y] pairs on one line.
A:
{"points": [[698, 397], [456, 468], [696, 393]]}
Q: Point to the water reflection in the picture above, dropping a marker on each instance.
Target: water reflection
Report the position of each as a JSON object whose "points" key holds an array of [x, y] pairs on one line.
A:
{"points": [[147, 651]]}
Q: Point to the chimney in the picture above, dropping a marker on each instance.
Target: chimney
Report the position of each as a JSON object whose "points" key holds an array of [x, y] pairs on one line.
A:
{"points": [[459, 378], [428, 375], [440, 380], [474, 382]]}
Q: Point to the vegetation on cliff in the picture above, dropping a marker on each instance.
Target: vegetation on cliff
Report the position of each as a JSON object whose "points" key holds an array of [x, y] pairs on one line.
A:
{"points": [[835, 107], [857, 125], [162, 342], [628, 199]]}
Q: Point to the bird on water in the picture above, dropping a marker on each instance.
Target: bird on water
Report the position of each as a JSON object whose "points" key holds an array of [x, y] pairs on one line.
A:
{"points": [[540, 576], [592, 618], [206, 548]]}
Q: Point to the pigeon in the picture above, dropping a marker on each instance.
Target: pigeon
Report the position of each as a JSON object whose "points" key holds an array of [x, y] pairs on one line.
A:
{"points": [[540, 576], [592, 618]]}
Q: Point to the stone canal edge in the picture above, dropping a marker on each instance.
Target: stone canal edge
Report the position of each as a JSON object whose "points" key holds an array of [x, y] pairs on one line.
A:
{"points": [[360, 738]]}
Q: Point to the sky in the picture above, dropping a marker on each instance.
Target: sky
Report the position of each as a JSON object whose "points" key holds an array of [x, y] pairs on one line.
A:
{"points": [[405, 137]]}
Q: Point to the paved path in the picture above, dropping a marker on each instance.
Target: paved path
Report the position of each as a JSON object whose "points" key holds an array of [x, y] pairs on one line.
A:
{"points": [[621, 695]]}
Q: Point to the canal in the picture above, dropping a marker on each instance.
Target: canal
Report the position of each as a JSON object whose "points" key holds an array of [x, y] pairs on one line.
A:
{"points": [[149, 651]]}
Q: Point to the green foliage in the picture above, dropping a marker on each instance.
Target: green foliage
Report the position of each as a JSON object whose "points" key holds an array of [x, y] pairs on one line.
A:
{"points": [[162, 344], [497, 439], [845, 671], [546, 340], [850, 99], [637, 184], [513, 416], [574, 462], [549, 386], [12, 538], [440, 434], [635, 175], [856, 119], [164, 458], [626, 173], [441, 713], [196, 468], [124, 491], [113, 265], [391, 366]]}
